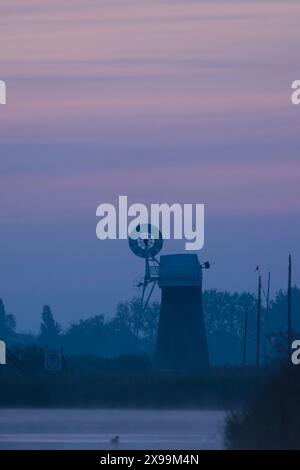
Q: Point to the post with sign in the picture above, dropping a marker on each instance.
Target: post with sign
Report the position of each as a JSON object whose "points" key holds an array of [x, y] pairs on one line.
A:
{"points": [[53, 360]]}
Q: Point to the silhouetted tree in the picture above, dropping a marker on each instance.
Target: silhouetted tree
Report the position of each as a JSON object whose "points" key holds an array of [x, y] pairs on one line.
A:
{"points": [[224, 314], [130, 318], [50, 329], [278, 323], [86, 336], [151, 319], [115, 336]]}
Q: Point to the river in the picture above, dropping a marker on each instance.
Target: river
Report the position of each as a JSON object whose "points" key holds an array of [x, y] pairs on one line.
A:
{"points": [[95, 428]]}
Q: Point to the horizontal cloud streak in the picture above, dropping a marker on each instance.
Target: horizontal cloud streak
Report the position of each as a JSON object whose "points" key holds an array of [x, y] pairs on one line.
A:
{"points": [[261, 190]]}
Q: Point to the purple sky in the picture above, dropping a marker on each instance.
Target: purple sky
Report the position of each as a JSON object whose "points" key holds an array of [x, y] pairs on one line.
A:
{"points": [[165, 101]]}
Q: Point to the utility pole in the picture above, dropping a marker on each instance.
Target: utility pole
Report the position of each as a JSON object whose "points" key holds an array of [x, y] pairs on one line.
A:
{"points": [[245, 338], [268, 292], [258, 322], [267, 317], [289, 305]]}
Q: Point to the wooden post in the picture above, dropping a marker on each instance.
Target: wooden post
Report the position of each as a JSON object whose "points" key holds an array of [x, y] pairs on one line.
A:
{"points": [[266, 322], [245, 338], [258, 322]]}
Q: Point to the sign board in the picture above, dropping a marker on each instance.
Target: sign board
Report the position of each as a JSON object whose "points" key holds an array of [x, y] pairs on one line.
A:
{"points": [[53, 360]]}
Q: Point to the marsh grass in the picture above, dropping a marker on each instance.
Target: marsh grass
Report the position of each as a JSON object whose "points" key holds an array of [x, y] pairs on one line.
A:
{"points": [[271, 419]]}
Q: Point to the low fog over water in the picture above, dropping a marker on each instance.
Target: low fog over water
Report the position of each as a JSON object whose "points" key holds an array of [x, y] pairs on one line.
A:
{"points": [[95, 429]]}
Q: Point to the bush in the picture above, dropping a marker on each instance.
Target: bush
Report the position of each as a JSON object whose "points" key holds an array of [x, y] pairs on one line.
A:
{"points": [[271, 419]]}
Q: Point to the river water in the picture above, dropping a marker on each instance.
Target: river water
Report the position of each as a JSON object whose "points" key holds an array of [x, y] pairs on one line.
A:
{"points": [[94, 429]]}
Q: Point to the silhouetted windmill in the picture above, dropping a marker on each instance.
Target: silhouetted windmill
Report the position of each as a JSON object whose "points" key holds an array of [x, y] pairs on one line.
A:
{"points": [[181, 341]]}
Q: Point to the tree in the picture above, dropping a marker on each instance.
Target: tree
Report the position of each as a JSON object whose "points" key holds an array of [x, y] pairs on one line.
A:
{"points": [[131, 319], [86, 336], [278, 322], [7, 324], [224, 314], [50, 329]]}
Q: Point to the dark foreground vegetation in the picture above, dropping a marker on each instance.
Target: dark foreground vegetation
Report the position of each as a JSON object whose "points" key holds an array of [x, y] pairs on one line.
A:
{"points": [[123, 382], [271, 419]]}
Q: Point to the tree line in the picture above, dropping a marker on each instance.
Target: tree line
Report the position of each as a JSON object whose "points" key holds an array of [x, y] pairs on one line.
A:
{"points": [[224, 314]]}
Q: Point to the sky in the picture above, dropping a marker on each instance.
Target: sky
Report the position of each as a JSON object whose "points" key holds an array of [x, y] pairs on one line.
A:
{"points": [[163, 101]]}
